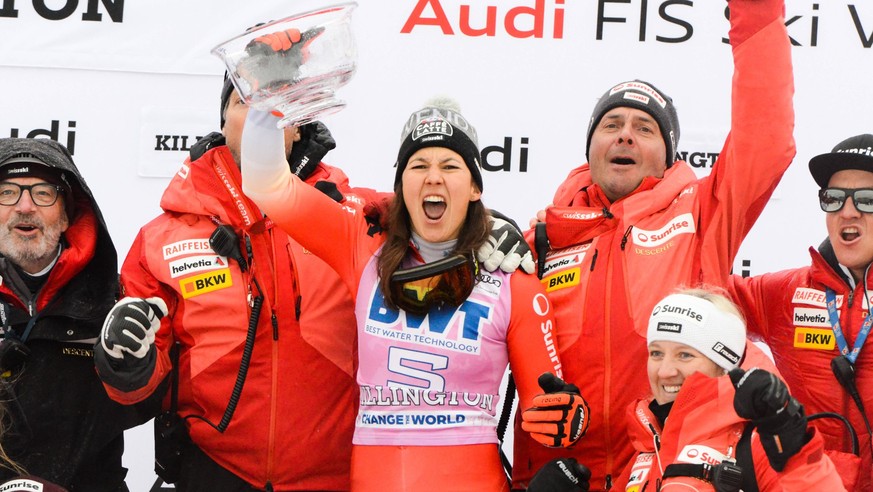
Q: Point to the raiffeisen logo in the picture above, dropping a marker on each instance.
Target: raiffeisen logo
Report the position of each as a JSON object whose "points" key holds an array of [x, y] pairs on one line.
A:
{"points": [[518, 19]]}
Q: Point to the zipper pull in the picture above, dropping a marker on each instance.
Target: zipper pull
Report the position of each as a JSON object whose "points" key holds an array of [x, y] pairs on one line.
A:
{"points": [[275, 322], [624, 238]]}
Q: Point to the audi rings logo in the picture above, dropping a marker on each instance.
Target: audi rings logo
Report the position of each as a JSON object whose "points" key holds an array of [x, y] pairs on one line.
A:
{"points": [[541, 304]]}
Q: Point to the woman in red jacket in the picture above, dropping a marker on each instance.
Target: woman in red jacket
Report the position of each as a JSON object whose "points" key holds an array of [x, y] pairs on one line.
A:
{"points": [[709, 425]]}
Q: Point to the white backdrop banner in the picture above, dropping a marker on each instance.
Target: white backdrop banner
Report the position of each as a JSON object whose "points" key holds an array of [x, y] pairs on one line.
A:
{"points": [[130, 86]]}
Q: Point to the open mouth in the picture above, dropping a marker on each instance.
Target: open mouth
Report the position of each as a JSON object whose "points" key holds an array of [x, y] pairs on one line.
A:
{"points": [[850, 234], [434, 207], [623, 161], [27, 228]]}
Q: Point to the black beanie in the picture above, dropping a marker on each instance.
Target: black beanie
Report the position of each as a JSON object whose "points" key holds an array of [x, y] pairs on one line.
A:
{"points": [[646, 97], [26, 165], [439, 124], [226, 90]]}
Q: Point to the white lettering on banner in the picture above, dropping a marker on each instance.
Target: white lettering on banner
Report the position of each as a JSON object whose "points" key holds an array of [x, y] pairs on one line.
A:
{"points": [[699, 454], [681, 224], [407, 396], [186, 247], [191, 264], [811, 317], [814, 297]]}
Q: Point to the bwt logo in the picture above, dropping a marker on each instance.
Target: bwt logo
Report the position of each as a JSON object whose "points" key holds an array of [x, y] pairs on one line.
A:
{"points": [[115, 9], [164, 143]]}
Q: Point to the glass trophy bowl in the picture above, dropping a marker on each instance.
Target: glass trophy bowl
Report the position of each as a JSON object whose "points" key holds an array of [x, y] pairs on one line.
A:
{"points": [[293, 65]]}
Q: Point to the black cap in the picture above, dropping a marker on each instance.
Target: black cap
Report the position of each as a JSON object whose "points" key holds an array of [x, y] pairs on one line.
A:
{"points": [[644, 96], [439, 124], [852, 153]]}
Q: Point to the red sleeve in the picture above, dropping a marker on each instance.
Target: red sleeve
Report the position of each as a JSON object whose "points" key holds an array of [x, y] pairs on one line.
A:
{"points": [[809, 469], [749, 19], [533, 347], [760, 145], [763, 300], [335, 232]]}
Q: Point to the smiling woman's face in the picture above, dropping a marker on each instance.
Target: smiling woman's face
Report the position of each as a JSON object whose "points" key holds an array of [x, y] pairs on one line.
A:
{"points": [[670, 363]]}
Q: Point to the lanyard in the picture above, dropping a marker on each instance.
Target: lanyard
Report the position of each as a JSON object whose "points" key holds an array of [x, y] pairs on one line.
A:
{"points": [[831, 299]]}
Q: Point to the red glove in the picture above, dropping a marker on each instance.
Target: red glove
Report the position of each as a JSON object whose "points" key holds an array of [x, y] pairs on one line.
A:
{"points": [[281, 40], [559, 417]]}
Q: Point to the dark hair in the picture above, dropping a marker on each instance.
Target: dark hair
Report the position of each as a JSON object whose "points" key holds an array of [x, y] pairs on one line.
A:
{"points": [[398, 230]]}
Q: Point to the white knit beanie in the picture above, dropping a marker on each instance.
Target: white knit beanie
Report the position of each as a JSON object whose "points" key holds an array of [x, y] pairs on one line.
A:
{"points": [[700, 324]]}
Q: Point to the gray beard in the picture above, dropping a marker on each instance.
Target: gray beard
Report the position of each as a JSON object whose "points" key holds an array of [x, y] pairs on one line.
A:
{"points": [[32, 252]]}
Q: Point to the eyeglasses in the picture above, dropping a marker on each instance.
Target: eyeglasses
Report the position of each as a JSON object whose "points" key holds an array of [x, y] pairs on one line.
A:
{"points": [[833, 199], [447, 281], [42, 194]]}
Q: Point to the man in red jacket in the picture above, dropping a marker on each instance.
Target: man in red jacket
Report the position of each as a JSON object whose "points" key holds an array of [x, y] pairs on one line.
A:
{"points": [[244, 304], [633, 224], [816, 319]]}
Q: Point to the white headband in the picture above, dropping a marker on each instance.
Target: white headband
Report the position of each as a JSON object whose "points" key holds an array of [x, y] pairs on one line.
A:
{"points": [[701, 325]]}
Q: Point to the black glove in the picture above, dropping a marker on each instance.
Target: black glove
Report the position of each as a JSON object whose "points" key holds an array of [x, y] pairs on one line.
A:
{"points": [[126, 351], [505, 248], [561, 475], [764, 399], [315, 142], [560, 416]]}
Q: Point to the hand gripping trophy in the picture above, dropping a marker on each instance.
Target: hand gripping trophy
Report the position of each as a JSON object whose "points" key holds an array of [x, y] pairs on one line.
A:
{"points": [[293, 66]]}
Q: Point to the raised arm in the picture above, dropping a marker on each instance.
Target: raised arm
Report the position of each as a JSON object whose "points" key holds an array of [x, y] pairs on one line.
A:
{"points": [[307, 215], [760, 145]]}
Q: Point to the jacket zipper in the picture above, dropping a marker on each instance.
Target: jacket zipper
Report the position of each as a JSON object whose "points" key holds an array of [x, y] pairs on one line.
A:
{"points": [[624, 238]]}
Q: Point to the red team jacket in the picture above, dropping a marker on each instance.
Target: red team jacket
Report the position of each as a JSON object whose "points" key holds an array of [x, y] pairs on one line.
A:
{"points": [[704, 428], [605, 273], [787, 310], [294, 422]]}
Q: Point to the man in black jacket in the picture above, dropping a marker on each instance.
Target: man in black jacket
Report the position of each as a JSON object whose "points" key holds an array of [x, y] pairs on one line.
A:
{"points": [[58, 280]]}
